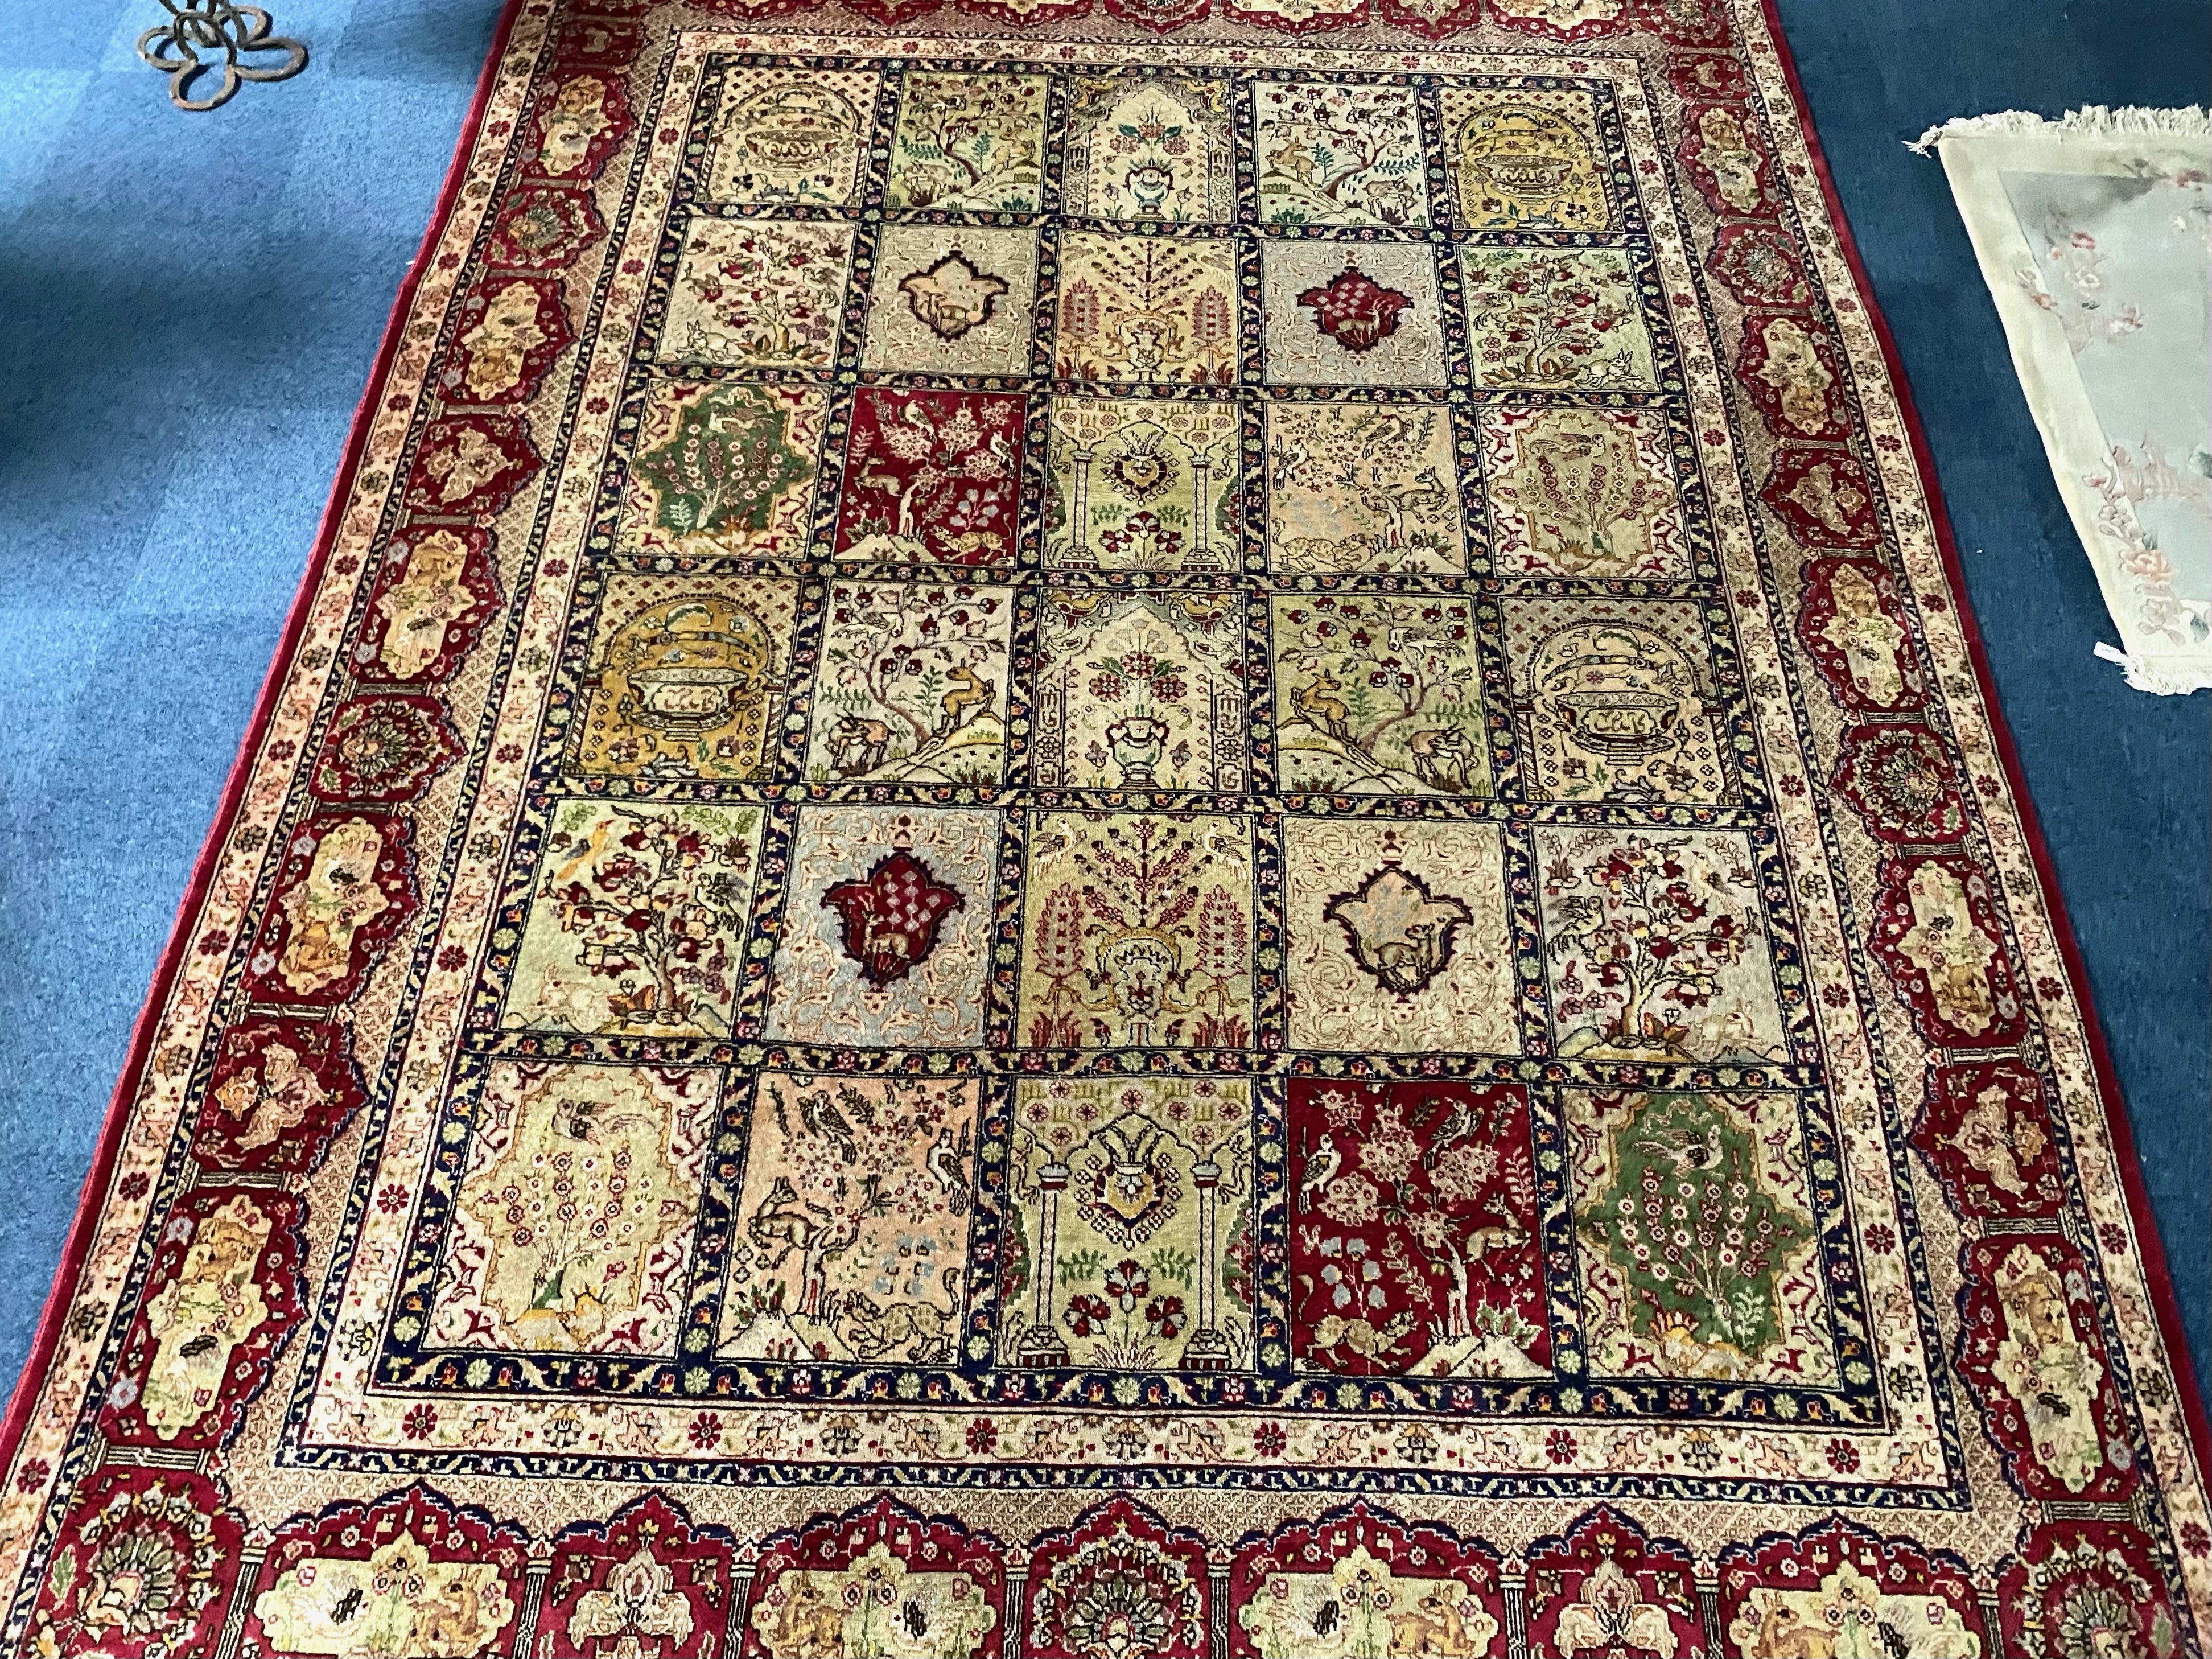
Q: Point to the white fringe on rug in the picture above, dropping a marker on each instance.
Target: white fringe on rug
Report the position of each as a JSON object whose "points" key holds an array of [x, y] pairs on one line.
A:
{"points": [[2090, 121]]}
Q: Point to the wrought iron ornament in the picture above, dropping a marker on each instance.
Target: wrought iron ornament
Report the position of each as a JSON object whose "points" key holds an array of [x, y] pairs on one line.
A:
{"points": [[214, 25]]}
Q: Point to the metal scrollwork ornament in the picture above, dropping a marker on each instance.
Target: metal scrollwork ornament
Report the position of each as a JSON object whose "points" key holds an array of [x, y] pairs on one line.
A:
{"points": [[198, 26]]}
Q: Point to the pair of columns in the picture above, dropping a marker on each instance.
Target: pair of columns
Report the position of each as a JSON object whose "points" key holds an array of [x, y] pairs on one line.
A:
{"points": [[1041, 1345]]}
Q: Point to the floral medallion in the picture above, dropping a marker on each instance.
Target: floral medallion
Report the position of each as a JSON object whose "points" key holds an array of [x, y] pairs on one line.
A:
{"points": [[142, 1568], [890, 921], [1354, 310]]}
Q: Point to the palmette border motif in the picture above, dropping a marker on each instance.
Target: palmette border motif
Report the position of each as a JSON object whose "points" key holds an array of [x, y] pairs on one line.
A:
{"points": [[564, 91]]}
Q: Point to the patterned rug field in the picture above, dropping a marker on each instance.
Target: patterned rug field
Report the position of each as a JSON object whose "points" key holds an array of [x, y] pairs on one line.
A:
{"points": [[1090, 841]]}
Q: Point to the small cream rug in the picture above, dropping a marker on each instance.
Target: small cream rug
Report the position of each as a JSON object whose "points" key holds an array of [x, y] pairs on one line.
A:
{"points": [[2095, 235]]}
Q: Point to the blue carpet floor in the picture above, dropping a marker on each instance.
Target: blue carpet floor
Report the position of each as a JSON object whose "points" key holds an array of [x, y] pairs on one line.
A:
{"points": [[194, 303]]}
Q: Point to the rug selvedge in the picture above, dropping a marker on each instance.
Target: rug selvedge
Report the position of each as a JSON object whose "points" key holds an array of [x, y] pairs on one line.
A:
{"points": [[1308, 683]]}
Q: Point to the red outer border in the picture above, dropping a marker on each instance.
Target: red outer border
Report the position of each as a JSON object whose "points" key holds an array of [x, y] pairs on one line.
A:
{"points": [[2164, 1305], [91, 1199]]}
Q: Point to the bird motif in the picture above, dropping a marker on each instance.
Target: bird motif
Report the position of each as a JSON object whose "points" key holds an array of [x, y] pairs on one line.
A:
{"points": [[1322, 1163], [1462, 1117], [947, 1164], [1581, 914], [1685, 1156]]}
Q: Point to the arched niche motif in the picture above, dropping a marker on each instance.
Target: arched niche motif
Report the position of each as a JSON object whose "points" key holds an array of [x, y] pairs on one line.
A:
{"points": [[1141, 691], [1143, 485], [1151, 148], [1131, 1196]]}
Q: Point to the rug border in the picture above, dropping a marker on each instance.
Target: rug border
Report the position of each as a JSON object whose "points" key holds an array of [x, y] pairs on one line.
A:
{"points": [[83, 1225], [2165, 1306]]}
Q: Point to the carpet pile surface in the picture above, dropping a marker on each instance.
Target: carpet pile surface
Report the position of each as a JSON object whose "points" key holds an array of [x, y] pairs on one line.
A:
{"points": [[1080, 843]]}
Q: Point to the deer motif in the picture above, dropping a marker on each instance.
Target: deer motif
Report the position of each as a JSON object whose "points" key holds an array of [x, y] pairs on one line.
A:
{"points": [[1431, 1627], [857, 747], [971, 692], [1426, 496], [1442, 758], [1327, 712], [785, 1219]]}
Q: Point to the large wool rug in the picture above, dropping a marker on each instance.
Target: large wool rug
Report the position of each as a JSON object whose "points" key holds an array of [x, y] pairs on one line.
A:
{"points": [[1084, 841]]}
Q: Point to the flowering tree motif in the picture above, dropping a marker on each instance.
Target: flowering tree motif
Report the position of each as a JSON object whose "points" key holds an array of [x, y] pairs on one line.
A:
{"points": [[1584, 493], [759, 293], [725, 465], [931, 475], [574, 1221], [1393, 679], [655, 900], [1057, 957], [1338, 155], [1555, 319], [1657, 936], [969, 143], [1143, 942], [566, 1200], [1220, 957], [1147, 308], [912, 672], [1413, 1229], [1693, 1222]]}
